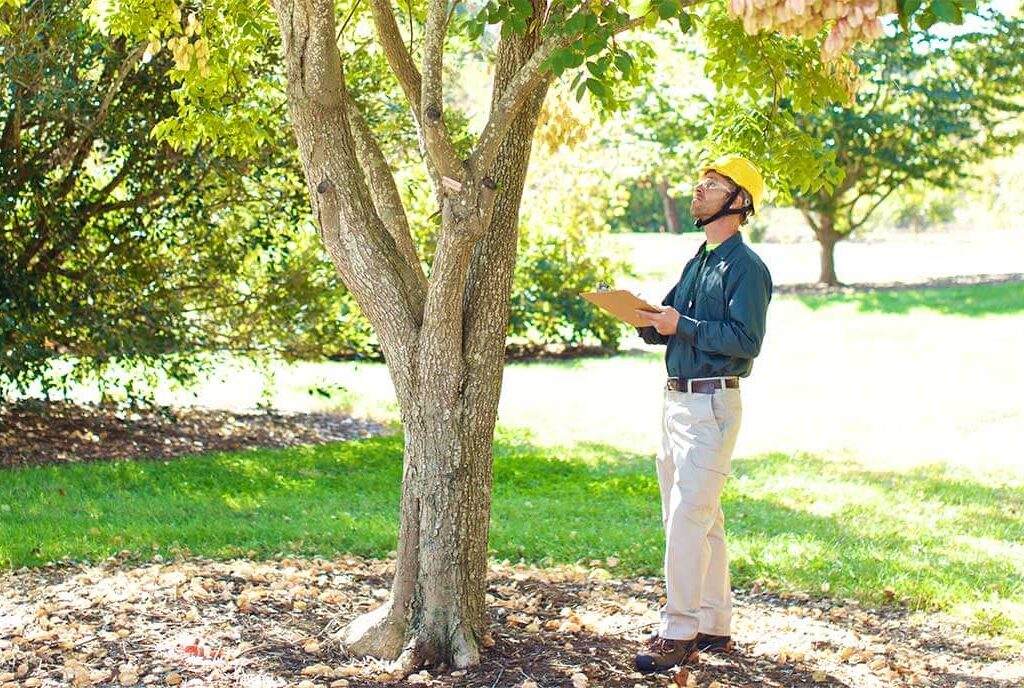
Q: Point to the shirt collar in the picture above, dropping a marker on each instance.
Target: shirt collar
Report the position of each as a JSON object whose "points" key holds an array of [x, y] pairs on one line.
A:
{"points": [[729, 245]]}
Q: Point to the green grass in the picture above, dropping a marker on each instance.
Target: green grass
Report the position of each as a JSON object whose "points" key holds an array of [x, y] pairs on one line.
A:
{"points": [[938, 537], [975, 301]]}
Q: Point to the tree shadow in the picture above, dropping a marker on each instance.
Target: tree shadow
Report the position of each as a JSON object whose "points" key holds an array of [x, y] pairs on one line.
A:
{"points": [[979, 300]]}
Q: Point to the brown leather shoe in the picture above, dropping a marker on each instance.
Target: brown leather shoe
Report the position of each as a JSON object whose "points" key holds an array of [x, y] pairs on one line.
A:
{"points": [[713, 643], [664, 653]]}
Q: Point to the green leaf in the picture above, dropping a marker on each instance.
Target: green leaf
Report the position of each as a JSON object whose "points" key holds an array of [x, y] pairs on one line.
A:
{"points": [[667, 9], [523, 8], [624, 63], [598, 88], [947, 11], [926, 19], [574, 25], [637, 7], [685, 22], [595, 44], [650, 20], [907, 9]]}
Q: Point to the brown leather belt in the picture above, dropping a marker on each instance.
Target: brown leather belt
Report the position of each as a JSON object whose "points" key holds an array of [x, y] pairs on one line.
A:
{"points": [[702, 386]]}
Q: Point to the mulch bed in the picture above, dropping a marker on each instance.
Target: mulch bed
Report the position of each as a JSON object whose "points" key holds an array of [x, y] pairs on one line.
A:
{"points": [[262, 624], [33, 433]]}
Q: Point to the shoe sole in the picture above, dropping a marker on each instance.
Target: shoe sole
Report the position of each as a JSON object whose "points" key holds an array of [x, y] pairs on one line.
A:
{"points": [[690, 660]]}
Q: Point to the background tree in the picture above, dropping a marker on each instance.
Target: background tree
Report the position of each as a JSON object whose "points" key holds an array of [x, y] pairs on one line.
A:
{"points": [[441, 329], [117, 248], [929, 110]]}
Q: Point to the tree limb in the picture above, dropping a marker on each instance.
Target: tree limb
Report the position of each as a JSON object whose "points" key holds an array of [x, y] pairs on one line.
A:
{"points": [[518, 90], [366, 255], [864, 218], [401, 63], [63, 154], [809, 216], [435, 134], [385, 194], [396, 53]]}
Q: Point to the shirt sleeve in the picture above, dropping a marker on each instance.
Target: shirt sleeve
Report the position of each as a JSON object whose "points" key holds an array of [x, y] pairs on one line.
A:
{"points": [[741, 335], [651, 335]]}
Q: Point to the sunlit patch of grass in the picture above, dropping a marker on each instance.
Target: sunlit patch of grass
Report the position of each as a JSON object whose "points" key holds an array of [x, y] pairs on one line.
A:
{"points": [[974, 300]]}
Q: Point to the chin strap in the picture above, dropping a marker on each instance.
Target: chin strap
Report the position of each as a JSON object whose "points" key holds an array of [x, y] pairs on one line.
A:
{"points": [[726, 210]]}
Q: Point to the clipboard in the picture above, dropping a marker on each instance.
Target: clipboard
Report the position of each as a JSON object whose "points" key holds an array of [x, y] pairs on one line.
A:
{"points": [[622, 304]]}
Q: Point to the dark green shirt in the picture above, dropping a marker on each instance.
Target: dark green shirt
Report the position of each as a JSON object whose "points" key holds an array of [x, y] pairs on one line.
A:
{"points": [[722, 313]]}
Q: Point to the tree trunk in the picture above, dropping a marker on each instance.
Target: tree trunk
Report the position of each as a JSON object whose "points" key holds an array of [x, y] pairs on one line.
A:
{"points": [[828, 238], [669, 207], [436, 612]]}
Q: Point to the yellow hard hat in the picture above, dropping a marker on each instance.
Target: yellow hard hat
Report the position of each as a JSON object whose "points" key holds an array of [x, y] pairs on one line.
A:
{"points": [[741, 171]]}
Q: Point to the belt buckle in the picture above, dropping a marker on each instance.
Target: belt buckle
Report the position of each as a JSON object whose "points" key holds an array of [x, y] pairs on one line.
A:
{"points": [[677, 384]]}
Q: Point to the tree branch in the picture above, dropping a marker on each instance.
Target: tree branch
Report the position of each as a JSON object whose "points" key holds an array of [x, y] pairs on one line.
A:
{"points": [[396, 53], [401, 63], [366, 255], [385, 194], [864, 218], [809, 216], [435, 134], [70, 149], [529, 76]]}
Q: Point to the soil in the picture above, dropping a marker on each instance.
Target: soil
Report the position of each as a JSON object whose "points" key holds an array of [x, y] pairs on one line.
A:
{"points": [[201, 623], [33, 433], [268, 624]]}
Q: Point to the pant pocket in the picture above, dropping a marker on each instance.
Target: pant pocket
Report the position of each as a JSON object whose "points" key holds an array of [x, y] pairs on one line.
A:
{"points": [[701, 487], [710, 452], [727, 409]]}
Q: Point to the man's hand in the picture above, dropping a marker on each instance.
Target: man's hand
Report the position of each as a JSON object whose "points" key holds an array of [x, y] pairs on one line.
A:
{"points": [[664, 322]]}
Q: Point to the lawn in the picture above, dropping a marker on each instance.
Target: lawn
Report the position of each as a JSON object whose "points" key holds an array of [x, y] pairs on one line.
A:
{"points": [[935, 537], [878, 460]]}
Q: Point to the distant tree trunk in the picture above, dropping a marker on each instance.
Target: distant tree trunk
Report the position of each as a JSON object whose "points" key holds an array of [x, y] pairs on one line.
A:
{"points": [[823, 224], [669, 207], [828, 238]]}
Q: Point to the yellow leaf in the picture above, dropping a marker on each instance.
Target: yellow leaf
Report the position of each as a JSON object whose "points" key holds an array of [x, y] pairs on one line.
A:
{"points": [[317, 670]]}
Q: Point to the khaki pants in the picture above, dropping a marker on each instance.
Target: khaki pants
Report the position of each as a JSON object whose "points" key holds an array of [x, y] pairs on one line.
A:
{"points": [[698, 436]]}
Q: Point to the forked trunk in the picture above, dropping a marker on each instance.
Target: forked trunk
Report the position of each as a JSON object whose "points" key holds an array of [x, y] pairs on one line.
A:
{"points": [[444, 342]]}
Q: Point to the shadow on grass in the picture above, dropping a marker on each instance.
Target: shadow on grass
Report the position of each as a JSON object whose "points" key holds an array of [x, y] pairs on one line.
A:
{"points": [[974, 301], [931, 536]]}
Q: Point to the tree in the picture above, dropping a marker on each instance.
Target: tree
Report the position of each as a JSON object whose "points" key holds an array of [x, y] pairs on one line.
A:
{"points": [[117, 248], [927, 113], [442, 332]]}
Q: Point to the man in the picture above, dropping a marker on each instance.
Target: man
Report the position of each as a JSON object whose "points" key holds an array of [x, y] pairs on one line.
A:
{"points": [[713, 323]]}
